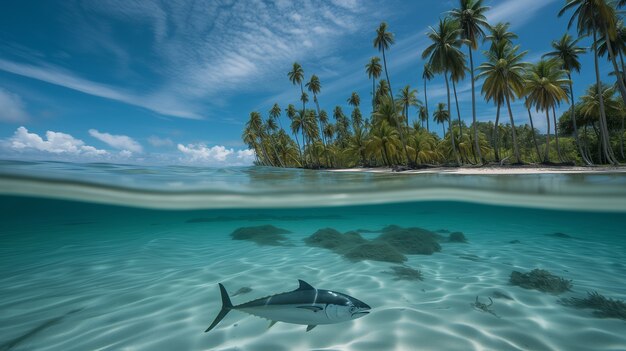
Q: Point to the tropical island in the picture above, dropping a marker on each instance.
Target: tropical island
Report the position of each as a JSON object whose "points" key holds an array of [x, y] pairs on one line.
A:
{"points": [[399, 133]]}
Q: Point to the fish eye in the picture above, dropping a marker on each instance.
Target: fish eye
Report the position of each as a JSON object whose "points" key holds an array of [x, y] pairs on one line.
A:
{"points": [[353, 309]]}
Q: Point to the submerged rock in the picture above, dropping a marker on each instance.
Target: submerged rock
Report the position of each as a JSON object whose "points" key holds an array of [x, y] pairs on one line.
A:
{"points": [[411, 240], [515, 242], [332, 239], [262, 235], [376, 251], [457, 237], [541, 280], [603, 307], [405, 273]]}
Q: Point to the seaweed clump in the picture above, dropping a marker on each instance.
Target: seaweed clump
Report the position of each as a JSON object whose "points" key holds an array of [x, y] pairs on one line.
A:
{"points": [[411, 241], [376, 251], [329, 238], [603, 307], [262, 235], [541, 280], [457, 237], [406, 273]]}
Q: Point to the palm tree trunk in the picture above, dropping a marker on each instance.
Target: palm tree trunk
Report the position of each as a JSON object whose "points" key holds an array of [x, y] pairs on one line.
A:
{"points": [[556, 135], [458, 112], [393, 104], [606, 145], [426, 101], [532, 127], [456, 155], [620, 81], [373, 94], [599, 137], [546, 155], [474, 126], [319, 121], [496, 141], [515, 146], [443, 129], [573, 117]]}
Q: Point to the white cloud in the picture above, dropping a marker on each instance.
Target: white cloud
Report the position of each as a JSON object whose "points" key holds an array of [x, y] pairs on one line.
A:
{"points": [[11, 107], [201, 53], [55, 143], [58, 76], [160, 142], [516, 12], [120, 142], [217, 155]]}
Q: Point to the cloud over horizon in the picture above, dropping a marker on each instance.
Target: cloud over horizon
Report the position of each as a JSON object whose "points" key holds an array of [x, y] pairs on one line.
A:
{"points": [[120, 142]]}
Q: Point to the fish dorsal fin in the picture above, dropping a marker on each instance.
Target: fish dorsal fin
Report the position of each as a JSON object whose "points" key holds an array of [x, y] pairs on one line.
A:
{"points": [[309, 327], [304, 285]]}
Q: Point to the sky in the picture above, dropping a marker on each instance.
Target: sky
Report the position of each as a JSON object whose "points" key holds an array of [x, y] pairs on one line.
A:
{"points": [[174, 81]]}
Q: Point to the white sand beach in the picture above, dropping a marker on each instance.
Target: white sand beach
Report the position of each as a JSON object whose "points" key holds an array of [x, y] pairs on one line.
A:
{"points": [[487, 170]]}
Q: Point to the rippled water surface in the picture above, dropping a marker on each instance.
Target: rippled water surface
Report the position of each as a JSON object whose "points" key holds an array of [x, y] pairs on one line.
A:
{"points": [[110, 257]]}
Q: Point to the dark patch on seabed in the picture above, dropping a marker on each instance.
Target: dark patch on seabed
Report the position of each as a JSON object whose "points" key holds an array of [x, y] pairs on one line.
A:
{"points": [[38, 329]]}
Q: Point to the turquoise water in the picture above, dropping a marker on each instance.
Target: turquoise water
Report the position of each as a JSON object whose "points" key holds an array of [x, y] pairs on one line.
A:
{"points": [[112, 257]]}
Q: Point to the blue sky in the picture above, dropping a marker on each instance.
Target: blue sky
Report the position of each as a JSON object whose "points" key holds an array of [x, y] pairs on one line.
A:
{"points": [[174, 81]]}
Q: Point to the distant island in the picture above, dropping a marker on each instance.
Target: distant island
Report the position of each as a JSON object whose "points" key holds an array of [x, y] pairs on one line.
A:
{"points": [[590, 133]]}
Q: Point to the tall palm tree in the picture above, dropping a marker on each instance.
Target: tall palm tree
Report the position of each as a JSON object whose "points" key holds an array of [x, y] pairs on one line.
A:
{"points": [[383, 41], [315, 86], [355, 100], [567, 51], [590, 105], [504, 79], [457, 74], [296, 76], [443, 54], [610, 43], [295, 126], [546, 87], [591, 16], [440, 116], [471, 17], [374, 70], [427, 75]]}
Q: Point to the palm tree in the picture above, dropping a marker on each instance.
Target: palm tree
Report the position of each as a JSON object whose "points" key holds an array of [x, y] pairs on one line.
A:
{"points": [[423, 116], [255, 128], [383, 41], [295, 126], [383, 139], [427, 75], [355, 100], [546, 86], [611, 42], [504, 81], [407, 97], [296, 76], [272, 128], [471, 17], [567, 51], [440, 116], [457, 74], [591, 16], [315, 86], [590, 105], [374, 70], [500, 32], [275, 113], [443, 54]]}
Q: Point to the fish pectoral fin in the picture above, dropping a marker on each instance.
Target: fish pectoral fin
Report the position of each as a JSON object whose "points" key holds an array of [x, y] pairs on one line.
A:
{"points": [[312, 308], [271, 324], [310, 327]]}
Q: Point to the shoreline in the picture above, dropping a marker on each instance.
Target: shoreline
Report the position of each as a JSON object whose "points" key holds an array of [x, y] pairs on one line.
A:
{"points": [[492, 170]]}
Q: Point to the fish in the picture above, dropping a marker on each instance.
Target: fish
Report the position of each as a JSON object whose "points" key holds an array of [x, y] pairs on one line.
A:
{"points": [[306, 305]]}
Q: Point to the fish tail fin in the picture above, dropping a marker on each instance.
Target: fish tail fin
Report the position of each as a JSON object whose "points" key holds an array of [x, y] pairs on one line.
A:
{"points": [[226, 307]]}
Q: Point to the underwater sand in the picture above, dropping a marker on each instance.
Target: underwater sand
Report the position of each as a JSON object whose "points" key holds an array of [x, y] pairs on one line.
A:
{"points": [[84, 276]]}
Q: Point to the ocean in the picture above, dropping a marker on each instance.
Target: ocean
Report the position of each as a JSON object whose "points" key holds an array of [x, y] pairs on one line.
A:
{"points": [[122, 257]]}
